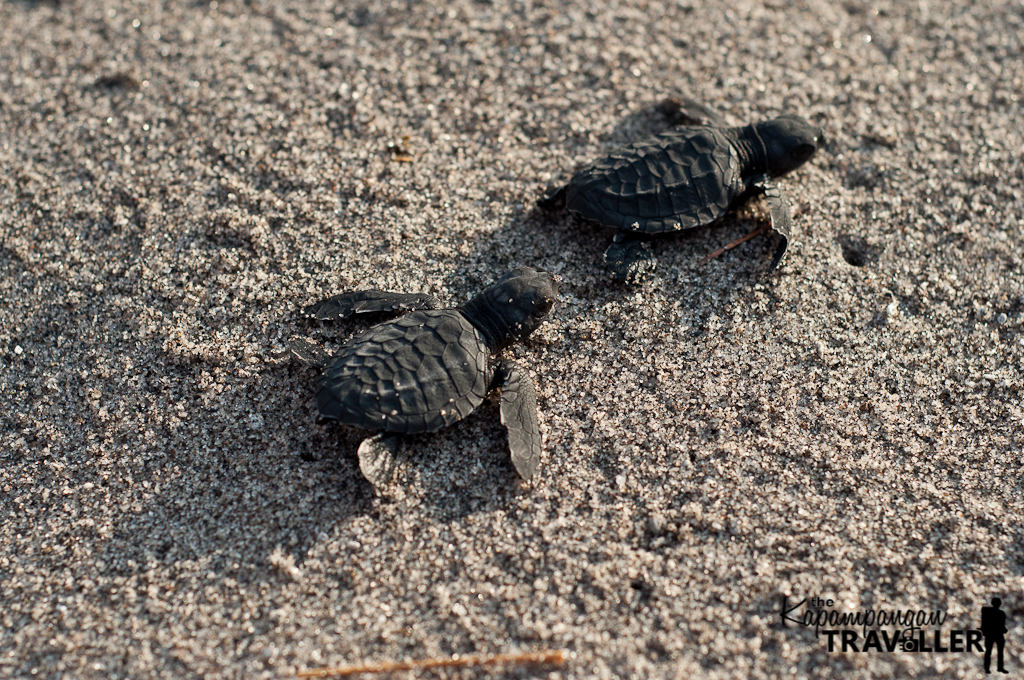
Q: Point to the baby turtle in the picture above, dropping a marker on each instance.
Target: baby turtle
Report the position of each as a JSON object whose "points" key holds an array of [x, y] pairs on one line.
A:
{"points": [[687, 176], [433, 367]]}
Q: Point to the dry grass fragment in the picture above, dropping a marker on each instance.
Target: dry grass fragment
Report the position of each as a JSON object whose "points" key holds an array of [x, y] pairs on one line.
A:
{"points": [[547, 656], [730, 246]]}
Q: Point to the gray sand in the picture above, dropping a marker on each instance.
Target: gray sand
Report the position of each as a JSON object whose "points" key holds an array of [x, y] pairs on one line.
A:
{"points": [[175, 184]]}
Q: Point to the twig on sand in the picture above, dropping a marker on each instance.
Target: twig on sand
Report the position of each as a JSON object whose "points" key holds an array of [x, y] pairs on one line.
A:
{"points": [[730, 246], [546, 656]]}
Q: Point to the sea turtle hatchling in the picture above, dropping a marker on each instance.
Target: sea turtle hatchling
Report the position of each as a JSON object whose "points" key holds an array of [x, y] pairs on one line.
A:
{"points": [[433, 367], [687, 176]]}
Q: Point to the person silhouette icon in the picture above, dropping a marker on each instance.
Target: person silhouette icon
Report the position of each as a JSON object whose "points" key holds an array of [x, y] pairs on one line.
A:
{"points": [[993, 627]]}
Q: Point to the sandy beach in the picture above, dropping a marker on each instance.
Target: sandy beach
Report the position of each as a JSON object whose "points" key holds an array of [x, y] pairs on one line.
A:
{"points": [[178, 181]]}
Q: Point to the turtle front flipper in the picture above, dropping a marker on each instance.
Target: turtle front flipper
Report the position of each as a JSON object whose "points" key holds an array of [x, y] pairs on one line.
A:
{"points": [[364, 301], [629, 258], [781, 221], [686, 111], [379, 456], [519, 416]]}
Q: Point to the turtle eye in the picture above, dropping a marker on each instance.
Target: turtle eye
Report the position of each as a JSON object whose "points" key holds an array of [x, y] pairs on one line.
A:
{"points": [[542, 308], [803, 152]]}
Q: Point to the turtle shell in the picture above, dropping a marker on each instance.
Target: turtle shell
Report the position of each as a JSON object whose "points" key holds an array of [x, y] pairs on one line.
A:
{"points": [[682, 178], [417, 373]]}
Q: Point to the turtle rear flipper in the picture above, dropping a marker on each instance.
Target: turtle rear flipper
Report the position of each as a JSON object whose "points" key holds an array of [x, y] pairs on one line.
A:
{"points": [[552, 200], [379, 457], [365, 301], [308, 352], [781, 221], [686, 111], [519, 416]]}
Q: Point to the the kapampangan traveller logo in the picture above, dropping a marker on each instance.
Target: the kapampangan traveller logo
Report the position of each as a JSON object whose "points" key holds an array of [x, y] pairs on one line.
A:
{"points": [[993, 627], [905, 631]]}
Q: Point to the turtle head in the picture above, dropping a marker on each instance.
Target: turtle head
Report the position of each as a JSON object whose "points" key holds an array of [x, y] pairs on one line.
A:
{"points": [[789, 141], [514, 306]]}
